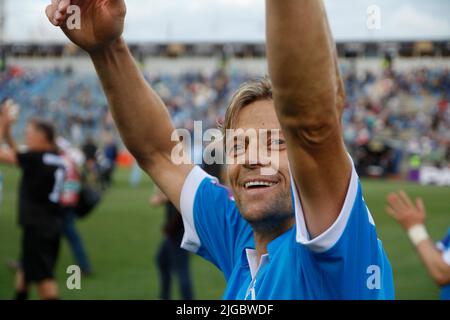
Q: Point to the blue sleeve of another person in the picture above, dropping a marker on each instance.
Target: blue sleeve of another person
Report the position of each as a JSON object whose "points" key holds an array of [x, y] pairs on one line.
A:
{"points": [[347, 261], [444, 247], [213, 224]]}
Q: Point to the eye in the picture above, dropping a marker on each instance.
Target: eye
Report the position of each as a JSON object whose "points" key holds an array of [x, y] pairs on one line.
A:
{"points": [[237, 149], [277, 143]]}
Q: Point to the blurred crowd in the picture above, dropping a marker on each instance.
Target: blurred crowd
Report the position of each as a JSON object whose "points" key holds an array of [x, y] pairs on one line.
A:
{"points": [[391, 119], [397, 116]]}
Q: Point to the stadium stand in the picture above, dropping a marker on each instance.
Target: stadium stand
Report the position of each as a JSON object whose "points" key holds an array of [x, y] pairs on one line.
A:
{"points": [[392, 113]]}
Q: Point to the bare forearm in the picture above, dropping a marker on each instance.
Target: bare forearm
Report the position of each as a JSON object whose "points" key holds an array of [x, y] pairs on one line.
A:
{"points": [[435, 264], [301, 58], [140, 115], [8, 156], [142, 119], [10, 141]]}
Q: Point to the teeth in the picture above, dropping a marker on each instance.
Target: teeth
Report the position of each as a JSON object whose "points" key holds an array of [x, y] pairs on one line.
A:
{"points": [[259, 184]]}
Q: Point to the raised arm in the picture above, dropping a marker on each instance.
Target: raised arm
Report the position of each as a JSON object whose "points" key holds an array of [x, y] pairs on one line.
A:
{"points": [[411, 217], [8, 155], [141, 117], [309, 95]]}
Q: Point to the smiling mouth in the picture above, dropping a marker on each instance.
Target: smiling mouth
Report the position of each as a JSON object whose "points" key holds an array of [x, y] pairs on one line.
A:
{"points": [[259, 184]]}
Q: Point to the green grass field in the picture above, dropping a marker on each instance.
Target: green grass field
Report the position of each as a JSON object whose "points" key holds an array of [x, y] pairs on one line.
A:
{"points": [[123, 234]]}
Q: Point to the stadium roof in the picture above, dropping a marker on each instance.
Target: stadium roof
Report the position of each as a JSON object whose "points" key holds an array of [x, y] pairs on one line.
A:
{"points": [[240, 20]]}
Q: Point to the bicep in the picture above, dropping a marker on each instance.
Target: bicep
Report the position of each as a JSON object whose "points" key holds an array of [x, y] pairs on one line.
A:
{"points": [[321, 169]]}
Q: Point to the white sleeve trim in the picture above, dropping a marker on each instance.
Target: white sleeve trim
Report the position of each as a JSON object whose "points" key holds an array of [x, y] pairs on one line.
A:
{"points": [[191, 240], [446, 256], [330, 237]]}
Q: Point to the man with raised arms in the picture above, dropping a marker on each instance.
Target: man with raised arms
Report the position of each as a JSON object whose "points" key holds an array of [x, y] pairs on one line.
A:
{"points": [[303, 232]]}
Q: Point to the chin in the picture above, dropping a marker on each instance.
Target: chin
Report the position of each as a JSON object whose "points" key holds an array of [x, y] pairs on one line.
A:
{"points": [[255, 216], [271, 215]]}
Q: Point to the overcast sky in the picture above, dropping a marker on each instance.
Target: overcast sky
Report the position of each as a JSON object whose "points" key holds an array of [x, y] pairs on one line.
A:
{"points": [[241, 20]]}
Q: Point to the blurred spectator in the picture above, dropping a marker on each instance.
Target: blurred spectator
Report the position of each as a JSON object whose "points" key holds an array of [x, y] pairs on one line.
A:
{"points": [[91, 174], [69, 200], [90, 150], [171, 258], [108, 164], [40, 215]]}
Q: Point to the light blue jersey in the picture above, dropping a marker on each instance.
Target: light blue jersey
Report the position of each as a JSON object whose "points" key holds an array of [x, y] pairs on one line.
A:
{"points": [[345, 262], [444, 247]]}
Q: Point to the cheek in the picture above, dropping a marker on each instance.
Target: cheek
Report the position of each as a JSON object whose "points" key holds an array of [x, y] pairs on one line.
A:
{"points": [[284, 162], [232, 173], [279, 162], [283, 170]]}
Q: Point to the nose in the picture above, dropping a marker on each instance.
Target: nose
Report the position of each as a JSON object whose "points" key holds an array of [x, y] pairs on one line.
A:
{"points": [[255, 155]]}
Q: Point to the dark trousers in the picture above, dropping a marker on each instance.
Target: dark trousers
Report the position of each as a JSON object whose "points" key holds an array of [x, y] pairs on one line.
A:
{"points": [[172, 259], [73, 237]]}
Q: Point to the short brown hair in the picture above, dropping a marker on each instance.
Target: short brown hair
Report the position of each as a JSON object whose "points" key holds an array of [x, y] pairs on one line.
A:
{"points": [[45, 127], [249, 92]]}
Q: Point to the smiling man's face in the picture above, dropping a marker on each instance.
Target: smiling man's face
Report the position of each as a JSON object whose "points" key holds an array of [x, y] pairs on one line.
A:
{"points": [[263, 200]]}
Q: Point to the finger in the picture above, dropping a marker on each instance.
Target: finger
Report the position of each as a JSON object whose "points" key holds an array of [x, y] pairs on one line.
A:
{"points": [[53, 14], [57, 11], [63, 6], [406, 199], [391, 212], [399, 204], [420, 204], [61, 11], [395, 202], [50, 13], [390, 198]]}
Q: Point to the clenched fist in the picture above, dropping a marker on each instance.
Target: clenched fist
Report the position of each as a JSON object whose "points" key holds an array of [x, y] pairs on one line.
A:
{"points": [[102, 21]]}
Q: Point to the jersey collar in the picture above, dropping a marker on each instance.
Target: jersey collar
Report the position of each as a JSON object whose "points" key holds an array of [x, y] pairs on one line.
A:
{"points": [[249, 250]]}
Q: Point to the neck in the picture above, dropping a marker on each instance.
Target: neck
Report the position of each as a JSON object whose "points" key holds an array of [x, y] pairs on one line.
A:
{"points": [[266, 235]]}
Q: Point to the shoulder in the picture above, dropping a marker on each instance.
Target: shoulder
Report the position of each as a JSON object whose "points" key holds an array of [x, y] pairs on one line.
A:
{"points": [[27, 158], [199, 183]]}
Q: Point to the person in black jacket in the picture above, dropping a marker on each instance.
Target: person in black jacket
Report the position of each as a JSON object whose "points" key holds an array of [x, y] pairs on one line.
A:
{"points": [[40, 216]]}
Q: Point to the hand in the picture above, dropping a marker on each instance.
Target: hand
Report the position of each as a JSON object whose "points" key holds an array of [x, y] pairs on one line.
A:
{"points": [[8, 114], [3, 117], [154, 201], [157, 199], [102, 21], [405, 211]]}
